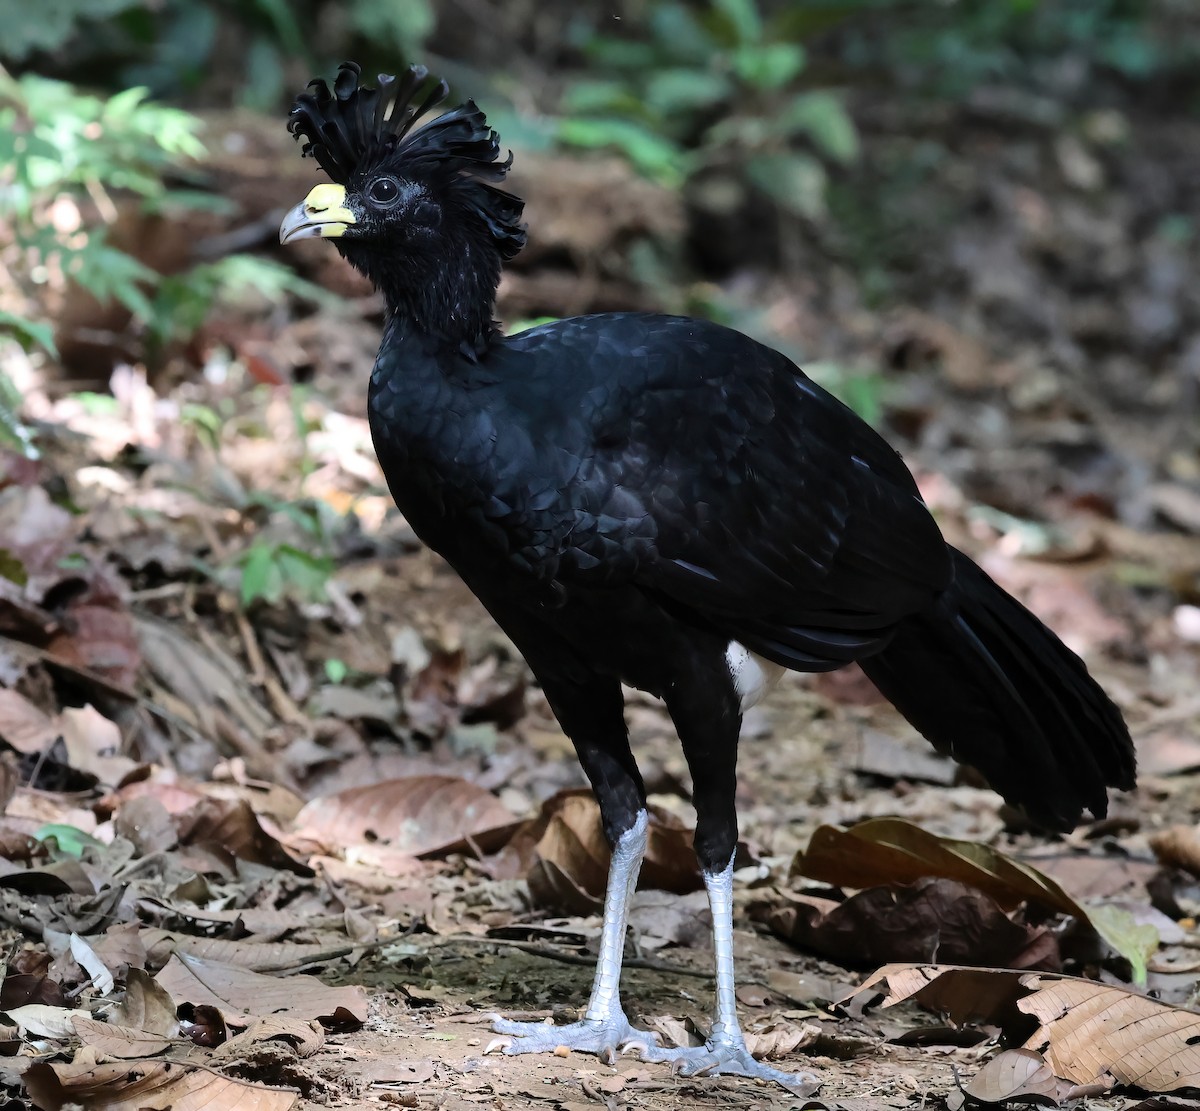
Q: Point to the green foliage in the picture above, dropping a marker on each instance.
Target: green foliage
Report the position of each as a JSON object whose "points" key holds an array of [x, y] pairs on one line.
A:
{"points": [[949, 52], [713, 88], [66, 842], [63, 153], [174, 48], [55, 139], [58, 145], [15, 435], [55, 23], [271, 571], [182, 302]]}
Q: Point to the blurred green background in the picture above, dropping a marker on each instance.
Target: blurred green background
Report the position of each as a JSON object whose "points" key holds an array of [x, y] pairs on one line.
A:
{"points": [[830, 144]]}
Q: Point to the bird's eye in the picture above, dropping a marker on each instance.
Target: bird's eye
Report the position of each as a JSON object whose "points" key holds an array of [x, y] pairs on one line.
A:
{"points": [[383, 190]]}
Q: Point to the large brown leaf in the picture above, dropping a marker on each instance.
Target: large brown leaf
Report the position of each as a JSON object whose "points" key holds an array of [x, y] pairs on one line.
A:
{"points": [[240, 994], [1086, 1031], [959, 924], [568, 866], [420, 814], [891, 850], [147, 1086]]}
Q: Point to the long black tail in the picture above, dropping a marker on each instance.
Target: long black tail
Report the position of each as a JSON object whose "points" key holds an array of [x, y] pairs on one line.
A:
{"points": [[987, 683]]}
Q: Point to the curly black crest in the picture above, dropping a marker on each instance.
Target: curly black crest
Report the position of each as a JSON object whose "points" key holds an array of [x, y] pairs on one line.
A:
{"points": [[353, 128]]}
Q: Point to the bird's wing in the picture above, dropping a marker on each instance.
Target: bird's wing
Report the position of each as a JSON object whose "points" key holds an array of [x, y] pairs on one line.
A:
{"points": [[707, 469]]}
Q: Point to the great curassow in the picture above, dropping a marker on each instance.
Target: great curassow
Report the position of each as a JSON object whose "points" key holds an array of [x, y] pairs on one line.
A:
{"points": [[666, 503]]}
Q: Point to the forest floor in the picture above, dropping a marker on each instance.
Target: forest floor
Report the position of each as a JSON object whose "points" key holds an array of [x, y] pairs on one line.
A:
{"points": [[285, 820]]}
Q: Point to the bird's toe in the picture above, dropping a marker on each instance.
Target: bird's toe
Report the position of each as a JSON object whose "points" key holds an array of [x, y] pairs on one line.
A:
{"points": [[725, 1060], [606, 1039]]}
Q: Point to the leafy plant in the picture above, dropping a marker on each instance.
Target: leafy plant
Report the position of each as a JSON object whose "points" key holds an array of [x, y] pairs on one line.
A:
{"points": [[1015, 41], [271, 571], [63, 154], [63, 151], [719, 88], [14, 433]]}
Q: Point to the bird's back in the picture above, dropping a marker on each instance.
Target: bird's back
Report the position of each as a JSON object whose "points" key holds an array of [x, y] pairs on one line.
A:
{"points": [[670, 456]]}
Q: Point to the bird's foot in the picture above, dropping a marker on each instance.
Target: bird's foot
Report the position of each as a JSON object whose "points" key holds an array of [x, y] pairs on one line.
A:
{"points": [[607, 1038], [725, 1059]]}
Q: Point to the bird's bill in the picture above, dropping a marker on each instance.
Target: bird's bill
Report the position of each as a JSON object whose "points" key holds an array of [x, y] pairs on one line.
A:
{"points": [[321, 215]]}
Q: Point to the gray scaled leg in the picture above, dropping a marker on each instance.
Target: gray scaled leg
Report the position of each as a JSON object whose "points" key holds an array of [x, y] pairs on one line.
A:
{"points": [[708, 718], [593, 717]]}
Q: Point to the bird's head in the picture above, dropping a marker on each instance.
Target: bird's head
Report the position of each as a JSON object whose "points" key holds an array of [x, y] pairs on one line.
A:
{"points": [[415, 208]]}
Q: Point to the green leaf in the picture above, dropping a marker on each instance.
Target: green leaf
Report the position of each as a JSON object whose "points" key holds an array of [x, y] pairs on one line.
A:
{"points": [[653, 154], [591, 97], [619, 54], [393, 24], [28, 333], [12, 568], [306, 573], [679, 37], [823, 117], [52, 25], [120, 107], [1136, 942], [796, 182], [67, 840], [770, 66], [671, 91], [335, 671], [260, 576], [743, 19]]}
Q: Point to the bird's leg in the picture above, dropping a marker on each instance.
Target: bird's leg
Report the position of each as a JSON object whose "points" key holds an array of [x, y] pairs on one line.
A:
{"points": [[605, 1001], [708, 726], [603, 747]]}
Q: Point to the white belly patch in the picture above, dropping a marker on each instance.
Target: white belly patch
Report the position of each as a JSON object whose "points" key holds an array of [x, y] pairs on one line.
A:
{"points": [[752, 675]]}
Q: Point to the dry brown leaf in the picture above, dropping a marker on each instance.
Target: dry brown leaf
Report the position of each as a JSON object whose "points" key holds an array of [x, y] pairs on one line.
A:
{"points": [[305, 1037], [63, 877], [674, 1032], [987, 996], [98, 634], [176, 794], [123, 1042], [146, 824], [147, 1006], [1168, 752], [1087, 1031], [1016, 1074], [247, 953], [891, 850], [1178, 847], [21, 988], [233, 826], [10, 780], [958, 923], [240, 994], [572, 853], [94, 746], [780, 1039], [37, 532], [36, 1020], [23, 725], [147, 1086], [419, 814]]}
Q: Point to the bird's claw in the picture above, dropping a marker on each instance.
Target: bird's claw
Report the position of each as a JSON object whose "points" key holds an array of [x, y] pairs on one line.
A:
{"points": [[606, 1038], [718, 1059]]}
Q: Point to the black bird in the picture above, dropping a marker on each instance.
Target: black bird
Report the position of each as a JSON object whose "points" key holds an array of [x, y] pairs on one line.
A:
{"points": [[666, 503]]}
